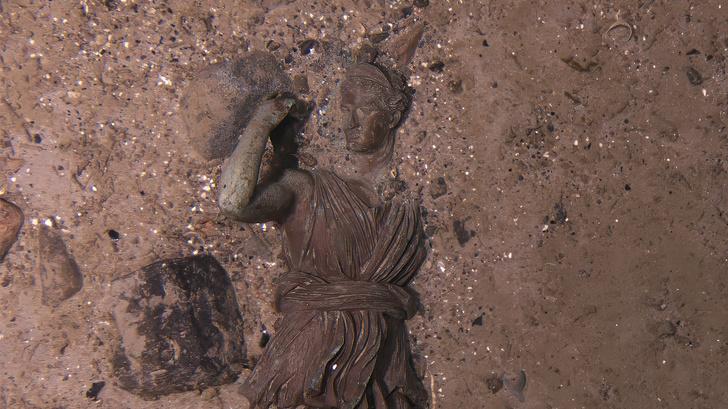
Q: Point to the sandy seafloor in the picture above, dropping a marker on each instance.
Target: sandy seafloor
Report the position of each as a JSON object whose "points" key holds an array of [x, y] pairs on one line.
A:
{"points": [[573, 166]]}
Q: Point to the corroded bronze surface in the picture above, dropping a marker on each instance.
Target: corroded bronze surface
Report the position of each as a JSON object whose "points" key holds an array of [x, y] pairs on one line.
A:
{"points": [[342, 341]]}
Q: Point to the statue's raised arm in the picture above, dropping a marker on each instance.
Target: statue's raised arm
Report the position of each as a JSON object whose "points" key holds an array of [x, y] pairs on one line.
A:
{"points": [[240, 195]]}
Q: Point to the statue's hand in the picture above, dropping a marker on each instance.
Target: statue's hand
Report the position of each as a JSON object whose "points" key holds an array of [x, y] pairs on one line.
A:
{"points": [[270, 113], [240, 171]]}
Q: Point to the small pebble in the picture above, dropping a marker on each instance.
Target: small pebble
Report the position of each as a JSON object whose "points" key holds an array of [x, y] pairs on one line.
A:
{"points": [[307, 46], [437, 66], [95, 389], [694, 76]]}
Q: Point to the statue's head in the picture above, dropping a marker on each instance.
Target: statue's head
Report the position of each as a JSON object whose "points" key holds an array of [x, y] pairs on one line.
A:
{"points": [[373, 103]]}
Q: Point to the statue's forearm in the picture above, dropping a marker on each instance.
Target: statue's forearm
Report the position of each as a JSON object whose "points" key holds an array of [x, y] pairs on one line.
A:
{"points": [[240, 171]]}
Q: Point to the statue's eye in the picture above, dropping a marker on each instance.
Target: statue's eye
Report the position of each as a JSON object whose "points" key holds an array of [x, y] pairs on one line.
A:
{"points": [[363, 112]]}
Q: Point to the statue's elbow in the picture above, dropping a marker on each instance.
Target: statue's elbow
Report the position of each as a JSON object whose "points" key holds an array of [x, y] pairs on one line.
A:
{"points": [[226, 204]]}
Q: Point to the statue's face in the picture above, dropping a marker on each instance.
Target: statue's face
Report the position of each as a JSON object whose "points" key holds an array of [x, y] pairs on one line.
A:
{"points": [[367, 122]]}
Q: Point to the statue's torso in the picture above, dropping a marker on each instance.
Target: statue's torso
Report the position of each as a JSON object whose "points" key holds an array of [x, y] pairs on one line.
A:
{"points": [[332, 232]]}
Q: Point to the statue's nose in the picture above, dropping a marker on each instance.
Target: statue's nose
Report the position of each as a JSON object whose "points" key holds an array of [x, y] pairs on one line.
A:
{"points": [[354, 119], [360, 116]]}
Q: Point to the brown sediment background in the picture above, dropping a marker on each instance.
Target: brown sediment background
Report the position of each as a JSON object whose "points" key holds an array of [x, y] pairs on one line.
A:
{"points": [[572, 157]]}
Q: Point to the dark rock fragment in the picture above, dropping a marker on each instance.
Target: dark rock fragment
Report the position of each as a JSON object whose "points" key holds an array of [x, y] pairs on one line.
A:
{"points": [[180, 326], [306, 46], [113, 234], [694, 76], [439, 188], [421, 3], [11, 220], [461, 233], [437, 66], [219, 102], [60, 277], [95, 389]]}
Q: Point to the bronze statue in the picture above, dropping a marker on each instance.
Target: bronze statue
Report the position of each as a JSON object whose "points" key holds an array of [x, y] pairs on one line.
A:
{"points": [[341, 341]]}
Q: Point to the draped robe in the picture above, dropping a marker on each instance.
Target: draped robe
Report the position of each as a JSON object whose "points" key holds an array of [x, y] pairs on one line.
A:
{"points": [[341, 341]]}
